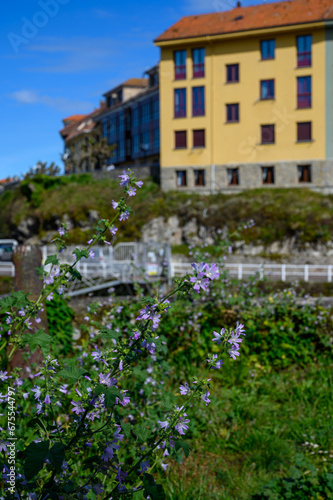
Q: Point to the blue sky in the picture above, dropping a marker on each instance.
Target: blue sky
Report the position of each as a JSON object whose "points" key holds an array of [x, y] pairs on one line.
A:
{"points": [[59, 56]]}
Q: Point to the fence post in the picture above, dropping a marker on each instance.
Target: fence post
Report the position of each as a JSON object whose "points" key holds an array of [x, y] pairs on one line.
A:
{"points": [[240, 271], [283, 272], [306, 273], [329, 274]]}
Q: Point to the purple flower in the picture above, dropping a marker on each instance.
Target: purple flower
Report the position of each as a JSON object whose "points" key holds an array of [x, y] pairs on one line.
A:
{"points": [[144, 466], [234, 339], [114, 204], [234, 351], [200, 282], [3, 376], [199, 268], [205, 397], [164, 466], [240, 329], [139, 184], [131, 191], [90, 241], [77, 408], [121, 365], [185, 389], [61, 231], [91, 254], [50, 296], [37, 392], [181, 427], [124, 215], [113, 230], [47, 399], [164, 425], [218, 336], [212, 272], [125, 179]]}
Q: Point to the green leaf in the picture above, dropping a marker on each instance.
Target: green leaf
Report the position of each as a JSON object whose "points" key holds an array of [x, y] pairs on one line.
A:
{"points": [[73, 373], [184, 446], [110, 396], [52, 259], [155, 491], [142, 432], [127, 429], [37, 421], [75, 274], [36, 456], [106, 333], [81, 253], [57, 455], [140, 374], [39, 338], [111, 393]]}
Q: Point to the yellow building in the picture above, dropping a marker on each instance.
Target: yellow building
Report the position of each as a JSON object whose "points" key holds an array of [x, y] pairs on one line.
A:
{"points": [[247, 98]]}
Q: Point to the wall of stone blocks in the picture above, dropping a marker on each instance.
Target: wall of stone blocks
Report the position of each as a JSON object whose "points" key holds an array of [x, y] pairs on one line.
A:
{"points": [[250, 177]]}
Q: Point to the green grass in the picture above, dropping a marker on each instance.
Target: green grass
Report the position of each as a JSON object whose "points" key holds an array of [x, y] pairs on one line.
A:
{"points": [[254, 429], [300, 213]]}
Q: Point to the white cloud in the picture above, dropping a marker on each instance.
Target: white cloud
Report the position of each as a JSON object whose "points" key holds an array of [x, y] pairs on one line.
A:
{"points": [[65, 105]]}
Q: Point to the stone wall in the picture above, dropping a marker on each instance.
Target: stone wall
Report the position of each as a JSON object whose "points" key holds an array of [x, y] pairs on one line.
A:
{"points": [[250, 177]]}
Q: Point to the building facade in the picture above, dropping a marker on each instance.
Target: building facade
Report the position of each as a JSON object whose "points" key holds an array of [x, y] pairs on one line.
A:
{"points": [[247, 98], [78, 132], [130, 121]]}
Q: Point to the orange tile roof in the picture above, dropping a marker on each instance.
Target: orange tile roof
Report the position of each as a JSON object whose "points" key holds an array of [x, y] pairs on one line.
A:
{"points": [[250, 18], [80, 126], [136, 82], [73, 118]]}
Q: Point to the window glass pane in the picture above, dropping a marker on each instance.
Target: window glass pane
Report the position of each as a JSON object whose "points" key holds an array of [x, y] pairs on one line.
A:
{"points": [[267, 49], [180, 103], [267, 134], [198, 59], [198, 138], [198, 101], [180, 64], [180, 139]]}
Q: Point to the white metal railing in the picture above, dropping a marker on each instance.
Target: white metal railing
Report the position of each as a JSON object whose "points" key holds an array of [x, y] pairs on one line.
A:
{"points": [[7, 269], [284, 272]]}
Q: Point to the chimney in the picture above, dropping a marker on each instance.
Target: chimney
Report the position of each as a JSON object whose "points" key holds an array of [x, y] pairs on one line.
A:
{"points": [[239, 4]]}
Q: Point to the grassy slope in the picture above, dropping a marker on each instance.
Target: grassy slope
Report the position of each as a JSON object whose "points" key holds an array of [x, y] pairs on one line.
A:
{"points": [[277, 213]]}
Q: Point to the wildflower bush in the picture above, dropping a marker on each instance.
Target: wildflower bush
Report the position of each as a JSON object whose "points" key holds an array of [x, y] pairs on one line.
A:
{"points": [[98, 425]]}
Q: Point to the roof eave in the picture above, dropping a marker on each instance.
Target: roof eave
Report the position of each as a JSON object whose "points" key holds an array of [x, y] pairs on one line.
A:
{"points": [[234, 34]]}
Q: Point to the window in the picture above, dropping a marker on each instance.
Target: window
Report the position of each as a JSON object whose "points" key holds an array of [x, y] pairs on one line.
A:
{"points": [[304, 92], [180, 64], [198, 138], [156, 109], [267, 134], [156, 138], [145, 113], [198, 57], [198, 101], [136, 144], [268, 175], [181, 178], [267, 48], [304, 173], [145, 142], [135, 117], [233, 176], [180, 103], [304, 131], [180, 139], [304, 51], [267, 89], [232, 113], [232, 73], [199, 178]]}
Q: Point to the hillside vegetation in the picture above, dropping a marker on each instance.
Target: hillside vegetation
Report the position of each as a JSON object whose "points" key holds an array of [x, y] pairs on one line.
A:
{"points": [[278, 213]]}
